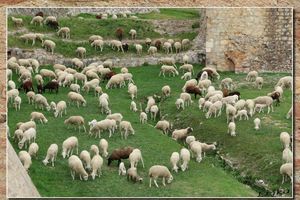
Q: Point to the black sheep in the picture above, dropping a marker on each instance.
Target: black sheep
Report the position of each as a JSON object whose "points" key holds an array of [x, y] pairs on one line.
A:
{"points": [[52, 85], [119, 154], [40, 14], [125, 47], [53, 24], [26, 86]]}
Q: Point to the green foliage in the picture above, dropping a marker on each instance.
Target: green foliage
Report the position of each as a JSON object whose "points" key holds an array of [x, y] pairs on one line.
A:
{"points": [[172, 13]]}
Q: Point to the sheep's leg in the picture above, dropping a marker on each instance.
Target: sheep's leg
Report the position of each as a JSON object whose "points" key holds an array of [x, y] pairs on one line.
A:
{"points": [[150, 182], [164, 181], [73, 175], [155, 183], [282, 179]]}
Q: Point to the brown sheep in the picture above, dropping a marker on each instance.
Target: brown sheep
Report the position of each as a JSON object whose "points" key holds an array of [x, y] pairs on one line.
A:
{"points": [[119, 33], [118, 154], [158, 44], [193, 90]]}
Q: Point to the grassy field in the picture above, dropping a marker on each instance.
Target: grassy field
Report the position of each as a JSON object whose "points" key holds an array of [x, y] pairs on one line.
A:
{"points": [[258, 153]]}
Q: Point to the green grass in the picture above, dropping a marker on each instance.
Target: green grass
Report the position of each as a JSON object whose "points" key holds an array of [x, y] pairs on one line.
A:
{"points": [[205, 179], [172, 13]]}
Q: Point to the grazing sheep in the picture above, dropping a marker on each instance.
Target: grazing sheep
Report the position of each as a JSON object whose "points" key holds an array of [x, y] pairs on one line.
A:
{"points": [[115, 116], [33, 149], [81, 52], [168, 61], [118, 154], [133, 106], [64, 32], [231, 129], [30, 97], [286, 170], [12, 94], [181, 133], [285, 82], [96, 164], [25, 159], [38, 116], [148, 41], [143, 117], [104, 105], [251, 76], [213, 109], [18, 135], [256, 123], [75, 97], [75, 88], [193, 90], [185, 43], [185, 157], [122, 169], [174, 159], [215, 98], [28, 36], [86, 158], [250, 105], [94, 150], [69, 78], [98, 43], [106, 124], [78, 64], [259, 108], [187, 67], [230, 99], [116, 80], [27, 125], [132, 90], [75, 121], [231, 112], [186, 97], [207, 147], [187, 76], [153, 111], [124, 70], [166, 90], [37, 20], [163, 125], [117, 44], [90, 84], [133, 175], [185, 59], [98, 91], [138, 48], [201, 103], [125, 128], [48, 73], [159, 171], [103, 144], [68, 145], [28, 137], [39, 79], [196, 148], [287, 155], [150, 103], [241, 114], [240, 104], [76, 166], [268, 101], [177, 46], [179, 104], [152, 50], [17, 103], [49, 45], [168, 47], [95, 37], [51, 154], [134, 157], [192, 82], [290, 113], [259, 81], [132, 32], [17, 21], [60, 108], [285, 139]]}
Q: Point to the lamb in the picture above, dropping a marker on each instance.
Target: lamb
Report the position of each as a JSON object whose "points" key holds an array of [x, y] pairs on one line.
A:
{"points": [[167, 61], [64, 32], [94, 150], [240, 104], [159, 171], [187, 67], [133, 106], [207, 147], [75, 88], [186, 97], [27, 125], [290, 113], [103, 144], [196, 148], [213, 108], [51, 154], [287, 155], [17, 21], [115, 80], [132, 90], [174, 159], [41, 102], [231, 112], [152, 50], [37, 20], [118, 154], [242, 113], [285, 82], [48, 73], [143, 117], [115, 116], [68, 146], [91, 84], [201, 103], [73, 96], [150, 103], [259, 108], [168, 47], [163, 125], [33, 149], [125, 128], [251, 76], [138, 48], [185, 157], [49, 45], [153, 111], [231, 129], [179, 104], [256, 123], [76, 166], [28, 36], [133, 175], [285, 139], [134, 157], [81, 52], [98, 43], [25, 159], [132, 32], [17, 103], [86, 158], [181, 133], [122, 169], [177, 46], [38, 116], [60, 108], [96, 164], [28, 137], [12, 94], [286, 170], [259, 81], [75, 121], [268, 101]]}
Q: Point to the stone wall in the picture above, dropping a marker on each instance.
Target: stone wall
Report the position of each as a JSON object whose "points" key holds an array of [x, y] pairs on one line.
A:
{"points": [[249, 38]]}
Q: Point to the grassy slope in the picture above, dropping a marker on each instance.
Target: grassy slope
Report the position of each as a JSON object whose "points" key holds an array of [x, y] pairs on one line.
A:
{"points": [[156, 149]]}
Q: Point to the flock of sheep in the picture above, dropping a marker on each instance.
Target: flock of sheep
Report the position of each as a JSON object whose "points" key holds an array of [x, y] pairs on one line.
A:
{"points": [[86, 78]]}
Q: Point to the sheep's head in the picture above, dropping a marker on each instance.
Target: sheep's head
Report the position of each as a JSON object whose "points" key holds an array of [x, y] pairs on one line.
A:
{"points": [[189, 129], [20, 145], [64, 154], [170, 179], [45, 162], [85, 177]]}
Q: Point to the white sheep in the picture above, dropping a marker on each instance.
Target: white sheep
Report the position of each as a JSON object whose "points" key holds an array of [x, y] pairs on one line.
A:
{"points": [[185, 58], [33, 149], [133, 106], [98, 43], [76, 166], [250, 105], [257, 123], [124, 70], [48, 73], [134, 157], [30, 97], [104, 105], [122, 169], [98, 91], [286, 170], [152, 50], [34, 64], [230, 99], [77, 63], [168, 47], [174, 159], [68, 146], [12, 94], [268, 101], [41, 102], [81, 52], [90, 84], [177, 46], [90, 73], [17, 103], [166, 90], [185, 157], [189, 139], [50, 19], [75, 97], [17, 21], [143, 117], [231, 112], [27, 125], [215, 98], [187, 67], [132, 90], [150, 102], [28, 137], [39, 79], [25, 159], [38, 116], [285, 82], [94, 150], [51, 154], [95, 37], [106, 124], [226, 83], [251, 76], [68, 80], [64, 32], [163, 125], [28, 36], [201, 102], [179, 104], [214, 108], [75, 88], [207, 147], [259, 108], [168, 61], [18, 134], [240, 104], [196, 148], [159, 171], [231, 129], [96, 164], [178, 134], [132, 32], [287, 155], [115, 116], [49, 45], [139, 48], [77, 121], [186, 97], [154, 111], [103, 145], [187, 76], [285, 139], [241, 114], [117, 44], [86, 158], [61, 108], [115, 80], [259, 81], [125, 128]]}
